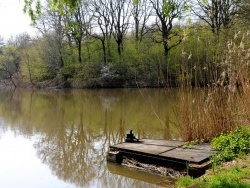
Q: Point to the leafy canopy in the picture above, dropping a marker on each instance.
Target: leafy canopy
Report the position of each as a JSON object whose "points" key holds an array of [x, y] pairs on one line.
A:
{"points": [[33, 7]]}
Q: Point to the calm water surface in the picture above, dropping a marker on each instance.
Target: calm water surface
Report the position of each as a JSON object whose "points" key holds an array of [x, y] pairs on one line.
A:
{"points": [[61, 138]]}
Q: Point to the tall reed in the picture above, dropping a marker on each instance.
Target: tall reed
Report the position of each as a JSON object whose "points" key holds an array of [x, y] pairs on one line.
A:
{"points": [[224, 104]]}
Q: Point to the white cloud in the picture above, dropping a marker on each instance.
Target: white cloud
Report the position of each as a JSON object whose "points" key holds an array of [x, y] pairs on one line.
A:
{"points": [[13, 21]]}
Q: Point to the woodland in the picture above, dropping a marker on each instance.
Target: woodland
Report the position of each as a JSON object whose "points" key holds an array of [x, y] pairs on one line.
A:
{"points": [[129, 43]]}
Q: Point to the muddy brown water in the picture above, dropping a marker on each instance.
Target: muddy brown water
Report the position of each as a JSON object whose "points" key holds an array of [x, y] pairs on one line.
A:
{"points": [[60, 138]]}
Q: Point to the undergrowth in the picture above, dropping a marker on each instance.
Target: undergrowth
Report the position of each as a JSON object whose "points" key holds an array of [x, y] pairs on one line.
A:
{"points": [[230, 146]]}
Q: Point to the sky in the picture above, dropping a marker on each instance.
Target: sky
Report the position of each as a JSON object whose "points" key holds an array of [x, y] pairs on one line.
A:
{"points": [[13, 21]]}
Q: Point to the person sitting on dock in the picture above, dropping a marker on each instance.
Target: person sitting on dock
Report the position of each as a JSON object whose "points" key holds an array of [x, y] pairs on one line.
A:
{"points": [[131, 138]]}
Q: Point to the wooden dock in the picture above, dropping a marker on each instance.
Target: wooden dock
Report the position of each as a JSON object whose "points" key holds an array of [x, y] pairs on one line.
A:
{"points": [[167, 153]]}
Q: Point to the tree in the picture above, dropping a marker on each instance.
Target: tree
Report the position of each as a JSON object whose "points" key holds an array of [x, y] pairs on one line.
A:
{"points": [[243, 7], [141, 12], [104, 24], [25, 43], [78, 25], [50, 25], [166, 12], [216, 13], [1, 44], [10, 63], [120, 15]]}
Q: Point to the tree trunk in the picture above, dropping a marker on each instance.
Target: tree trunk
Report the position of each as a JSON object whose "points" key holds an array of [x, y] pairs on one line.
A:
{"points": [[104, 52], [79, 51]]}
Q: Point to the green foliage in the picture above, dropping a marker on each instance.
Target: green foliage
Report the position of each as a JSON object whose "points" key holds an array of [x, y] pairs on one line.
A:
{"points": [[191, 144], [34, 7], [88, 75], [203, 2], [9, 61], [141, 64], [186, 7], [60, 4], [232, 145], [136, 2], [185, 181], [168, 8], [141, 69]]}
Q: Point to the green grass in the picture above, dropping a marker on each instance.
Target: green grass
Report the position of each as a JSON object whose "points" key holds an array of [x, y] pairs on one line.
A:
{"points": [[185, 181], [235, 177]]}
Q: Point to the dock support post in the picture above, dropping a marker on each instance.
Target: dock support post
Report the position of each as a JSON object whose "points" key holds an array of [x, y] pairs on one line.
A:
{"points": [[115, 156]]}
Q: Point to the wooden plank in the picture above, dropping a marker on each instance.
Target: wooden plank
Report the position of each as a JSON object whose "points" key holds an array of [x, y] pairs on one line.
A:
{"points": [[139, 147], [170, 143], [203, 146], [189, 155]]}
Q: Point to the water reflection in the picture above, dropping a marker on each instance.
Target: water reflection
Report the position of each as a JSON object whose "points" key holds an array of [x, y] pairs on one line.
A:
{"points": [[74, 128]]}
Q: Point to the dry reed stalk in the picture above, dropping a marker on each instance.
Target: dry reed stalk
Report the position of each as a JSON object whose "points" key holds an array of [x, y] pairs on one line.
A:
{"points": [[225, 105], [205, 114]]}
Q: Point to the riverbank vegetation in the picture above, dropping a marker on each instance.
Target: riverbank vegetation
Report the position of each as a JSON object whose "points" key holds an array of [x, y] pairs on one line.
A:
{"points": [[231, 164], [224, 104], [146, 43], [233, 174]]}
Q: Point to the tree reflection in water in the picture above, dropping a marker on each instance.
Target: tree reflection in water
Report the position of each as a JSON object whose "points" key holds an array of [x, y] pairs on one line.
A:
{"points": [[75, 128]]}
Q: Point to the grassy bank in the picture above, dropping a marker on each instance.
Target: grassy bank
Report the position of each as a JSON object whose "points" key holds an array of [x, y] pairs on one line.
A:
{"points": [[233, 174], [230, 165], [214, 115]]}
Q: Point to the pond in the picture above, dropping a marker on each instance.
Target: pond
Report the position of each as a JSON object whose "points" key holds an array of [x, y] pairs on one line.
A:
{"points": [[60, 138]]}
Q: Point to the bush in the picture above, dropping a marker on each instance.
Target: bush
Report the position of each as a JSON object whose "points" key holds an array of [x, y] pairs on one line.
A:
{"points": [[232, 145], [185, 181]]}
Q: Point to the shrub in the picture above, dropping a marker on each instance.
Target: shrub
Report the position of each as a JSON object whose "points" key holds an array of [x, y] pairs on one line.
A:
{"points": [[233, 144]]}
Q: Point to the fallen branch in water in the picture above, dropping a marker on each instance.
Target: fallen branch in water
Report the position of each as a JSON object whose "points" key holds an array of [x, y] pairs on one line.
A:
{"points": [[132, 163]]}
